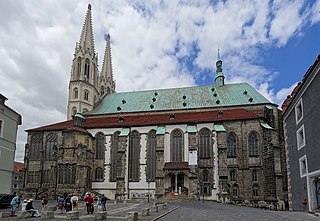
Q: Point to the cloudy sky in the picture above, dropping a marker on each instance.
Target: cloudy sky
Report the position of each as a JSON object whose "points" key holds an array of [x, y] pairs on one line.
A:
{"points": [[155, 44]]}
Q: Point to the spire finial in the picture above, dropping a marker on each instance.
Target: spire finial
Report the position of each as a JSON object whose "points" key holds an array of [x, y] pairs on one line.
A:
{"points": [[89, 6], [218, 53]]}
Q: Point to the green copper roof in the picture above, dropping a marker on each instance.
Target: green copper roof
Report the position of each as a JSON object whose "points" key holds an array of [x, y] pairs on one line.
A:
{"points": [[161, 130], [180, 98], [266, 126], [219, 128], [191, 129], [124, 132]]}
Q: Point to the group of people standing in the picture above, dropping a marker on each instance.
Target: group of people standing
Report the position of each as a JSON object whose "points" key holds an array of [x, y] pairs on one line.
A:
{"points": [[27, 205]]}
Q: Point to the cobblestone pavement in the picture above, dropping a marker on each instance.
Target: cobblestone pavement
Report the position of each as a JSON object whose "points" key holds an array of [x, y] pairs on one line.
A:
{"points": [[187, 210], [224, 212]]}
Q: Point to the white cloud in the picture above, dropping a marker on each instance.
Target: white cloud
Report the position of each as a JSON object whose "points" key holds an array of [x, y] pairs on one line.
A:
{"points": [[149, 41]]}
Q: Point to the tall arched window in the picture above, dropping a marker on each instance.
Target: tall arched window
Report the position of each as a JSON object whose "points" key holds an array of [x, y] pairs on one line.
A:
{"points": [[79, 68], [86, 95], [255, 190], [151, 156], [35, 147], [205, 143], [73, 111], [75, 93], [114, 156], [254, 175], [233, 175], [87, 69], [235, 190], [100, 148], [205, 176], [51, 145], [102, 90], [134, 156], [232, 145], [99, 174], [253, 142], [177, 145]]}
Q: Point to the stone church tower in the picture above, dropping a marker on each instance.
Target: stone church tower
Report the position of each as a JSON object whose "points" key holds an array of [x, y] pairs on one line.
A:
{"points": [[86, 87]]}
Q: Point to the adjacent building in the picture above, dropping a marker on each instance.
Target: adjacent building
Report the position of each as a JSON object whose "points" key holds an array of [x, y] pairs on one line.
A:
{"points": [[302, 131], [9, 122], [221, 141], [17, 178]]}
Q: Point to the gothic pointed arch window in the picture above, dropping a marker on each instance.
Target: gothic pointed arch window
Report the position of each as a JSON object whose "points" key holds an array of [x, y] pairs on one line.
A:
{"points": [[75, 93], [114, 155], [78, 68], [232, 145], [205, 143], [87, 69], [151, 156], [177, 145], [51, 146], [233, 176], [134, 156], [255, 190], [35, 147], [98, 174], [254, 175], [100, 147], [253, 144], [235, 190], [86, 95]]}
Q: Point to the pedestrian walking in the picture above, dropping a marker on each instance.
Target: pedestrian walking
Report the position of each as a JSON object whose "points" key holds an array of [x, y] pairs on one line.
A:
{"points": [[67, 203], [60, 204], [15, 202], [89, 203], [103, 202]]}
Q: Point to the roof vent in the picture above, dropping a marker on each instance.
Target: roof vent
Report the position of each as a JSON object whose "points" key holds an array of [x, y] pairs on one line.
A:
{"points": [[151, 106], [155, 93], [212, 89], [215, 94], [120, 119], [184, 97], [171, 117], [154, 99], [250, 99], [119, 108], [184, 104], [245, 92], [124, 101], [220, 113], [217, 102]]}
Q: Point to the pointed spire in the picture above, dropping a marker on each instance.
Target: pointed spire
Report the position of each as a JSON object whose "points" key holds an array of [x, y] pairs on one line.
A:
{"points": [[219, 74], [86, 38], [106, 71]]}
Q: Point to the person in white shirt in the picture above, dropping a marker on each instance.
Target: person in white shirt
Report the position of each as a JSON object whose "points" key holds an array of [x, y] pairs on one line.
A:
{"points": [[74, 202], [24, 204]]}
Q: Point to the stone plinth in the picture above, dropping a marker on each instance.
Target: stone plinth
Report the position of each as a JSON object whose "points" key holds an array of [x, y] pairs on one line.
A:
{"points": [[73, 215], [145, 212], [101, 215], [47, 215], [133, 215], [24, 215]]}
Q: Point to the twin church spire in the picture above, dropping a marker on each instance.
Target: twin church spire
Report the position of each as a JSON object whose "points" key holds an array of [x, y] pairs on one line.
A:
{"points": [[86, 85]]}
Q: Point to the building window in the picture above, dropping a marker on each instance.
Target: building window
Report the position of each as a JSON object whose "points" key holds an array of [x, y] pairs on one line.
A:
{"points": [[205, 143], [46, 176], [177, 145], [254, 176], [15, 186], [75, 93], [34, 177], [134, 156], [102, 90], [66, 174], [205, 176], [73, 111], [100, 148], [51, 146], [233, 176], [255, 190], [114, 156], [235, 190], [86, 95], [303, 166], [1, 128], [301, 142], [99, 174], [299, 111], [35, 147], [151, 156], [87, 69], [79, 68], [108, 90], [253, 142], [232, 145]]}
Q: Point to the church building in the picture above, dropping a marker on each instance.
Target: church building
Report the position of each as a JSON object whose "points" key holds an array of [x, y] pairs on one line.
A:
{"points": [[222, 142]]}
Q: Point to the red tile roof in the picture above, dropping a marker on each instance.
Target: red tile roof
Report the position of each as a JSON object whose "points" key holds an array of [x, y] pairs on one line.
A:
{"points": [[18, 167], [103, 121]]}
